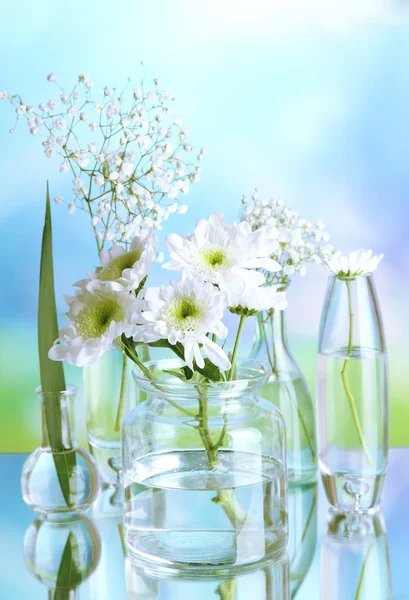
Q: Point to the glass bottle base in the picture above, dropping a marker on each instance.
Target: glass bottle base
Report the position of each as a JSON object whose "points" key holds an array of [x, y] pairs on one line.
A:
{"points": [[351, 491]]}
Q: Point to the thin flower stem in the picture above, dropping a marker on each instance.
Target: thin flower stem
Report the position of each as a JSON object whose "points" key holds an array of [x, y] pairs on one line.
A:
{"points": [[118, 419], [236, 347], [344, 377], [363, 572], [273, 362]]}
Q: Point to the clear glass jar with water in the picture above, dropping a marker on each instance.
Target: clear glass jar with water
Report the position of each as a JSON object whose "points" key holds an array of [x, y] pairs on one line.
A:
{"points": [[204, 468], [353, 395]]}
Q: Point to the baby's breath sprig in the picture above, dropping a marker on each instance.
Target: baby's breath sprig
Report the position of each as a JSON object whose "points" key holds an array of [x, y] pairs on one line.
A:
{"points": [[127, 153], [300, 240]]}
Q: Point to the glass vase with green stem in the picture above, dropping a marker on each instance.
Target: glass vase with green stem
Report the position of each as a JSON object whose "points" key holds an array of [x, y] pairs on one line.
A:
{"points": [[288, 389], [69, 471], [353, 393], [203, 436]]}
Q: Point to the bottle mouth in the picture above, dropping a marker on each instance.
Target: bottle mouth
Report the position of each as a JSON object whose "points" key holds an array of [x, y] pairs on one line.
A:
{"points": [[251, 375], [70, 392]]}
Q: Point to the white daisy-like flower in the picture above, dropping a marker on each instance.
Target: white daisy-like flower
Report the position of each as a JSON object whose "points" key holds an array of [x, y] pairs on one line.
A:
{"points": [[248, 301], [96, 320], [184, 311], [123, 269], [223, 253], [360, 262]]}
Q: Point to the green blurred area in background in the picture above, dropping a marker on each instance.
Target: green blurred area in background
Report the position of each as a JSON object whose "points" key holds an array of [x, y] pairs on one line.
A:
{"points": [[19, 377]]}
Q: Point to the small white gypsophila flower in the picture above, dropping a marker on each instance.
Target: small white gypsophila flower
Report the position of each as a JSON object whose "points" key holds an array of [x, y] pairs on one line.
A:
{"points": [[141, 172], [184, 311], [358, 263], [96, 320], [222, 253], [124, 269], [248, 301], [4, 95], [58, 199], [301, 241], [60, 123], [52, 77]]}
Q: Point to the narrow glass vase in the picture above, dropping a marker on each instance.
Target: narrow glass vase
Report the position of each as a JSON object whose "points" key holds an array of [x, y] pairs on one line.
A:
{"points": [[353, 395], [287, 389], [204, 466], [62, 484], [109, 395]]}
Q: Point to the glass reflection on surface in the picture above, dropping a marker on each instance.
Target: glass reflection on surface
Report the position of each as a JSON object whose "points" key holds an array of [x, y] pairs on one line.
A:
{"points": [[108, 580], [355, 560], [302, 532], [268, 583], [62, 555]]}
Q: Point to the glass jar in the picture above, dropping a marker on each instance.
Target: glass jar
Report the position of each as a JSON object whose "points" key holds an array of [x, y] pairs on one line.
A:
{"points": [[287, 389], [109, 396], [353, 395], [59, 482], [204, 466], [271, 582], [355, 560]]}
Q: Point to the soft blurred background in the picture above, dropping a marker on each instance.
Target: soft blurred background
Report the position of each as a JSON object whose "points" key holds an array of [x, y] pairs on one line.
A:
{"points": [[305, 99]]}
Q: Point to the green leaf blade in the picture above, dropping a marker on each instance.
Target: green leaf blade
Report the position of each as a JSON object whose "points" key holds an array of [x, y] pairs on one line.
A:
{"points": [[52, 372]]}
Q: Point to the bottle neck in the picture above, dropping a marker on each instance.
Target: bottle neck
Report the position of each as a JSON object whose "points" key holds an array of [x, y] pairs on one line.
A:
{"points": [[57, 416], [271, 341]]}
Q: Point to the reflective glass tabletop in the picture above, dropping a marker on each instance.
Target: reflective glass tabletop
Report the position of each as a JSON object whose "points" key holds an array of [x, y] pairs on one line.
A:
{"points": [[327, 558]]}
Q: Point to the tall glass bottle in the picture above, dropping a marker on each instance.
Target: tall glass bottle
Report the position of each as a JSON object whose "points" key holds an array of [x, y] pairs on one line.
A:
{"points": [[353, 395], [287, 389], [60, 484]]}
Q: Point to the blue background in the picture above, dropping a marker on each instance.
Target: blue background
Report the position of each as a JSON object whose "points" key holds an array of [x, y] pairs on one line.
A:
{"points": [[308, 100]]}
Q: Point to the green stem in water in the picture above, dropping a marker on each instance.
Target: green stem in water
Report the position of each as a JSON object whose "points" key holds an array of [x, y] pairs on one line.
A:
{"points": [[236, 347], [118, 419], [344, 377]]}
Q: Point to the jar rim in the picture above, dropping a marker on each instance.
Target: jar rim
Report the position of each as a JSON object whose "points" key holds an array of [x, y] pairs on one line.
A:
{"points": [[257, 374], [69, 392], [349, 277]]}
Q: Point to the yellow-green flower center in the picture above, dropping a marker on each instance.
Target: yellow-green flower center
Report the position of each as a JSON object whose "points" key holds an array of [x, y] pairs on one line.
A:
{"points": [[119, 264], [215, 257], [94, 320], [183, 314]]}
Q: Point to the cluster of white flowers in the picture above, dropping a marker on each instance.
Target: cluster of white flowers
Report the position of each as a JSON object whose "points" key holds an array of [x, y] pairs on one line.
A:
{"points": [[133, 163], [218, 264], [300, 241]]}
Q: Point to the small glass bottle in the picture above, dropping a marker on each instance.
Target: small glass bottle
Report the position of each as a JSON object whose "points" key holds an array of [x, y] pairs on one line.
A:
{"points": [[353, 395], [65, 483], [204, 467], [288, 389]]}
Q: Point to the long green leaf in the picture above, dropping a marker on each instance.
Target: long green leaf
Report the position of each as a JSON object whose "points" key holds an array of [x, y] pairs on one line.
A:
{"points": [[52, 372], [69, 575]]}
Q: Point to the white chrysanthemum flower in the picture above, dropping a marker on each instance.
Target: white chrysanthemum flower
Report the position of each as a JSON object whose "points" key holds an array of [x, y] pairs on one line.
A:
{"points": [[222, 253], [123, 269], [184, 311], [244, 300], [360, 262], [96, 320]]}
